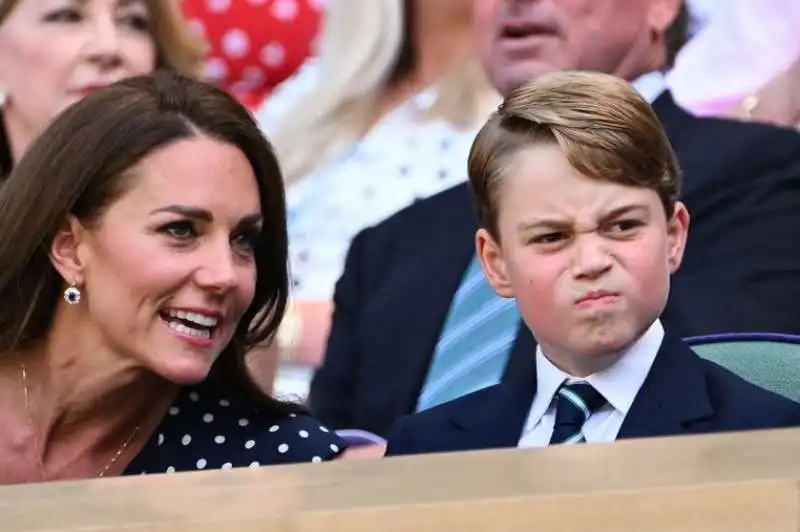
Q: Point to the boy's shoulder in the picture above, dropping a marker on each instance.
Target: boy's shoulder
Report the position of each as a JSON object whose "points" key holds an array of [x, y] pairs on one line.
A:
{"points": [[736, 403]]}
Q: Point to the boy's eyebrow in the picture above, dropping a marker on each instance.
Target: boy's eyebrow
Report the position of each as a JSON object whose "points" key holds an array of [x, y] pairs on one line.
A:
{"points": [[542, 223], [556, 223], [626, 209]]}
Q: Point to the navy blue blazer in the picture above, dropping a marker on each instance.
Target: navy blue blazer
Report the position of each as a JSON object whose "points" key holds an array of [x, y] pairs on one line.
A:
{"points": [[683, 394]]}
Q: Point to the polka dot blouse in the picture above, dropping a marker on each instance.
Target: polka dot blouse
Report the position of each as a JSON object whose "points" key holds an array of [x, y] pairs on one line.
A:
{"points": [[203, 430]]}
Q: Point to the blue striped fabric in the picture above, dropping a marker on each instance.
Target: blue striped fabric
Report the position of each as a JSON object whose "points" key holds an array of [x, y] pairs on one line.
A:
{"points": [[473, 348]]}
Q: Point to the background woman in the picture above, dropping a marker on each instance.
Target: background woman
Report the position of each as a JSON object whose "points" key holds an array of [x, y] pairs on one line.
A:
{"points": [[383, 116], [53, 53]]}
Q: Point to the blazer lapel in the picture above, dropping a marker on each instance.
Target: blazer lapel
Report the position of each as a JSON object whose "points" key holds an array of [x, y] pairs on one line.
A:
{"points": [[498, 421], [672, 398], [672, 118], [523, 354], [673, 395]]}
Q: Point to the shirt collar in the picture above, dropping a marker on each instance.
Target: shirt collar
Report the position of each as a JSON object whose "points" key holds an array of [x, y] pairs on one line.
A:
{"points": [[650, 85], [619, 384]]}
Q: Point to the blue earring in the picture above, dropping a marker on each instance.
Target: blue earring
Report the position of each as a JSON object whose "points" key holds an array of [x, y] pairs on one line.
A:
{"points": [[72, 295]]}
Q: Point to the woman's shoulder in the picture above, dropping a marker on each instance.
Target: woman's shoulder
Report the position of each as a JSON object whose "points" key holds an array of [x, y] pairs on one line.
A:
{"points": [[205, 430]]}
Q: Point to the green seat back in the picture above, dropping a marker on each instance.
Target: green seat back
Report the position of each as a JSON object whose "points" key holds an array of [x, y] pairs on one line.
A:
{"points": [[772, 362]]}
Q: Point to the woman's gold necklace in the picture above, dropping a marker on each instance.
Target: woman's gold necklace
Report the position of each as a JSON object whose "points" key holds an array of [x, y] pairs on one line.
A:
{"points": [[103, 471]]}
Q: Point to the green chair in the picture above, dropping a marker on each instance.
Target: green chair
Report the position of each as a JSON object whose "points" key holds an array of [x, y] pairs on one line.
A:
{"points": [[771, 361]]}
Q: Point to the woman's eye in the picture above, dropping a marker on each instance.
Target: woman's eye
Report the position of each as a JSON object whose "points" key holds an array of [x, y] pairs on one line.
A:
{"points": [[63, 15], [179, 230], [247, 241], [137, 22]]}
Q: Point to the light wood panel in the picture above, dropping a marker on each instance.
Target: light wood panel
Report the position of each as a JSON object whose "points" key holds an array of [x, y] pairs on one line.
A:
{"points": [[734, 482]]}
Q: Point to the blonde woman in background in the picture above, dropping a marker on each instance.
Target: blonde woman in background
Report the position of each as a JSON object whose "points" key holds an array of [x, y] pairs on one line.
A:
{"points": [[54, 53], [383, 116]]}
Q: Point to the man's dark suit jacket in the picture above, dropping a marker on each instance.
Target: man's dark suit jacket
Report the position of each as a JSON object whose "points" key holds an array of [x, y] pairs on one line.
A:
{"points": [[683, 394], [741, 269]]}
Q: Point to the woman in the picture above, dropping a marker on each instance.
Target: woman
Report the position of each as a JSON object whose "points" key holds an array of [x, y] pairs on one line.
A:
{"points": [[53, 53], [144, 251], [384, 116]]}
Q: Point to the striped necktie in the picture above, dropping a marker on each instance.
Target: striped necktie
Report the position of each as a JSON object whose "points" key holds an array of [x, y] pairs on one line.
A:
{"points": [[473, 348], [575, 403]]}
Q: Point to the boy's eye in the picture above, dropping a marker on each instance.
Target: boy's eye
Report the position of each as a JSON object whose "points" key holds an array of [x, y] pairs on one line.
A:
{"points": [[625, 226], [549, 238]]}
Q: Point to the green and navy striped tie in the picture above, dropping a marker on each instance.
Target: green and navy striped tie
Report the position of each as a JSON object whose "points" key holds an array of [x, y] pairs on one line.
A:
{"points": [[575, 402]]}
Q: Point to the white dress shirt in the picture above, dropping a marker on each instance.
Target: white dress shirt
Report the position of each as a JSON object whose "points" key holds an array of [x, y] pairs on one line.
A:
{"points": [[619, 384]]}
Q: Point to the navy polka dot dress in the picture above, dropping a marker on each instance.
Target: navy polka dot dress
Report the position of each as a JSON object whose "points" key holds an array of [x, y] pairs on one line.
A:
{"points": [[203, 430]]}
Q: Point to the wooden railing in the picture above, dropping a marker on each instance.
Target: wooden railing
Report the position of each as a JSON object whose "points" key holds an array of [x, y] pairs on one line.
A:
{"points": [[747, 482]]}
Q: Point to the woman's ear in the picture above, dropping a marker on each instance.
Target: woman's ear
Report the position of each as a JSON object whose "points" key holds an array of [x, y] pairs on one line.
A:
{"points": [[65, 251]]}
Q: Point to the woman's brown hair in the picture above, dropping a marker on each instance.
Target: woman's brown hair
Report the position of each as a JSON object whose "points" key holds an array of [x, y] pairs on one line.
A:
{"points": [[82, 163], [177, 48]]}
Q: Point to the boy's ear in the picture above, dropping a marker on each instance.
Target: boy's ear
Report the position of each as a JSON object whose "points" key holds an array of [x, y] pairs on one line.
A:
{"points": [[677, 234], [494, 267]]}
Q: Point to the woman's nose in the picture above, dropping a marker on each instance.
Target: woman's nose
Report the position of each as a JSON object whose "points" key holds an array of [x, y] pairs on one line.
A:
{"points": [[103, 46]]}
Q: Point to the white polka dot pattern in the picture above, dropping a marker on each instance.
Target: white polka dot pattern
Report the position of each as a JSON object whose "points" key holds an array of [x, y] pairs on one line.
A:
{"points": [[203, 431], [401, 160], [255, 44]]}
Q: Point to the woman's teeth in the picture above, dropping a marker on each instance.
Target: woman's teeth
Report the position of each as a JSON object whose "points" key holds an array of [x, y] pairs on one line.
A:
{"points": [[199, 319], [190, 331], [190, 323]]}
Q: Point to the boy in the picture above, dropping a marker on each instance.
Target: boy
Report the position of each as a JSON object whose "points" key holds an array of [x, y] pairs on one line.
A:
{"points": [[576, 189]]}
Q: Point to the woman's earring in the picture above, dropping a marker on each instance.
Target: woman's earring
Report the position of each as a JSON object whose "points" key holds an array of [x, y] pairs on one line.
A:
{"points": [[72, 295]]}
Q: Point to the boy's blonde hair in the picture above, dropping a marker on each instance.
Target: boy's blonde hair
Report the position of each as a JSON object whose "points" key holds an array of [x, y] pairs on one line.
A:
{"points": [[604, 127]]}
